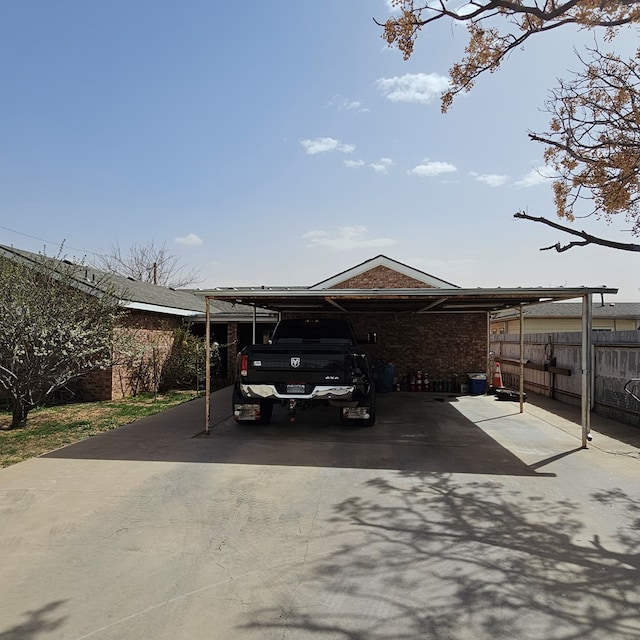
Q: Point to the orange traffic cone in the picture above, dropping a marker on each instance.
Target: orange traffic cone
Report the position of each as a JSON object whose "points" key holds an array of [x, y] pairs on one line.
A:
{"points": [[497, 378]]}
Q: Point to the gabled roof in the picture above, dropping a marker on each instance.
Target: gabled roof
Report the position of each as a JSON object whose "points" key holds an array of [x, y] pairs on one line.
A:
{"points": [[437, 296], [133, 294], [383, 261]]}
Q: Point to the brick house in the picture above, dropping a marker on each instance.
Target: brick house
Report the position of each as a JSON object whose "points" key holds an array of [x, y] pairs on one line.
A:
{"points": [[442, 345], [146, 331], [422, 323]]}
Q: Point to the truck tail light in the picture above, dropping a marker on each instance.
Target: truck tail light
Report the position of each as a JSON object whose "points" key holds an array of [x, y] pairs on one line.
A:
{"points": [[244, 365]]}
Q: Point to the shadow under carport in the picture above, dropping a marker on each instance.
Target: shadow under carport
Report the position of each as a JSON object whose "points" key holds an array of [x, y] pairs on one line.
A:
{"points": [[413, 432]]}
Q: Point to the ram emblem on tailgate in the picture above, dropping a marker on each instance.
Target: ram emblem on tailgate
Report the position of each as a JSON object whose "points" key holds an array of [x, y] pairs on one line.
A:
{"points": [[295, 363]]}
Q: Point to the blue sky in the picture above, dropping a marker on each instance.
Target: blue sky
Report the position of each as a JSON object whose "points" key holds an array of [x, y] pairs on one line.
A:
{"points": [[279, 144]]}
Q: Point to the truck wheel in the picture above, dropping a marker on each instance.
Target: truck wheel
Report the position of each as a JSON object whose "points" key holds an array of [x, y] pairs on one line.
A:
{"points": [[371, 420], [237, 398], [368, 422], [266, 411]]}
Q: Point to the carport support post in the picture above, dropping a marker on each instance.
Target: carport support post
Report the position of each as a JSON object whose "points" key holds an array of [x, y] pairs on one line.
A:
{"points": [[207, 373], [521, 383], [253, 334], [587, 321]]}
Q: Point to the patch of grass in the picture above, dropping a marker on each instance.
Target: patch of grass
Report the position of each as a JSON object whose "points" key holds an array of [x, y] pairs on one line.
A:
{"points": [[50, 428]]}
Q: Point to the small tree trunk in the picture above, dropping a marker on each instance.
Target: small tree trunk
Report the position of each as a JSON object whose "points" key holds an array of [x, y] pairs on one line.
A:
{"points": [[20, 411]]}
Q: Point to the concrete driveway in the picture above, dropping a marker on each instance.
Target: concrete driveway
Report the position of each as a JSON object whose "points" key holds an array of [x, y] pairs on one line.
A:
{"points": [[451, 518]]}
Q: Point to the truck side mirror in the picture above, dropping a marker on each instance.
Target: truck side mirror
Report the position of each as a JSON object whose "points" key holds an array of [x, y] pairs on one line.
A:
{"points": [[372, 338]]}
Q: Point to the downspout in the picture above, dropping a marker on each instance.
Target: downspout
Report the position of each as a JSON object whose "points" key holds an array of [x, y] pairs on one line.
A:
{"points": [[585, 403]]}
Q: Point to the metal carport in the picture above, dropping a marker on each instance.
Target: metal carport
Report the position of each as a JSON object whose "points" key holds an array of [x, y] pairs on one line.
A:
{"points": [[418, 301]]}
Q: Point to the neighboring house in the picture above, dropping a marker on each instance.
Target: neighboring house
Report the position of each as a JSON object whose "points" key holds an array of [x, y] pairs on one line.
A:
{"points": [[561, 317], [146, 331]]}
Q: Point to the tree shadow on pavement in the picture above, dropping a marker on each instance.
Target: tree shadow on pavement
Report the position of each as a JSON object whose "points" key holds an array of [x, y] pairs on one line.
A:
{"points": [[439, 558], [40, 622]]}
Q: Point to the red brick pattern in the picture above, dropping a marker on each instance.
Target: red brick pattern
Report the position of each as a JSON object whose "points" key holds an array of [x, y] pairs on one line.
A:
{"points": [[441, 345], [232, 350], [148, 336], [381, 277]]}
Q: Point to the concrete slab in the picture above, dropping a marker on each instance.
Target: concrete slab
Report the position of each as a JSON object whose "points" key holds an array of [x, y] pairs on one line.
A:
{"points": [[452, 518]]}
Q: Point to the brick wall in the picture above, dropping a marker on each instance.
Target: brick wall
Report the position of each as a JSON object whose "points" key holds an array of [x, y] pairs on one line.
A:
{"points": [[438, 344], [232, 341], [97, 385], [145, 341], [442, 345], [381, 278]]}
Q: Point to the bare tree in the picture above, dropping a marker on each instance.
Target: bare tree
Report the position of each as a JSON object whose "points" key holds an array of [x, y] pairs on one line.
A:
{"points": [[593, 140], [585, 238], [54, 327], [147, 263], [498, 27]]}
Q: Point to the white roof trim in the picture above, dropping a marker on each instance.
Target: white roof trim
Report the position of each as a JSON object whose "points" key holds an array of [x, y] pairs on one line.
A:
{"points": [[383, 261], [143, 306]]}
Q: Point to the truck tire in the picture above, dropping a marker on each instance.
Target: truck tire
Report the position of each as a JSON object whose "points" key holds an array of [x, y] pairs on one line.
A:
{"points": [[369, 422], [238, 398], [266, 411]]}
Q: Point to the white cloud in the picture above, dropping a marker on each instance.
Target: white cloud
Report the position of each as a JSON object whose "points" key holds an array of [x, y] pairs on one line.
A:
{"points": [[190, 238], [353, 105], [491, 179], [429, 169], [346, 238], [322, 145], [537, 175], [347, 104], [382, 166], [421, 88]]}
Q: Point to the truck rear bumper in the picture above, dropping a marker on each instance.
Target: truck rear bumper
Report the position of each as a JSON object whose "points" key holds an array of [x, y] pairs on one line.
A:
{"points": [[328, 392]]}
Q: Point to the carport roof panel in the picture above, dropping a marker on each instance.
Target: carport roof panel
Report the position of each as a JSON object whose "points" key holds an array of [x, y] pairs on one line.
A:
{"points": [[413, 300]]}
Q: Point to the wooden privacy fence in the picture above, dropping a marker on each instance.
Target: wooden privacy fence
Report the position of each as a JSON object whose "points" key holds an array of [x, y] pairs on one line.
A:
{"points": [[552, 367]]}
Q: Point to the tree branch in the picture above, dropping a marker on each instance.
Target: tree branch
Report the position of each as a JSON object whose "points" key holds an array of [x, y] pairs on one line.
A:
{"points": [[587, 238]]}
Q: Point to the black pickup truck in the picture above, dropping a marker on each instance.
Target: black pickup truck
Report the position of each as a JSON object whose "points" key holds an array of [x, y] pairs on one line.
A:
{"points": [[307, 362]]}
